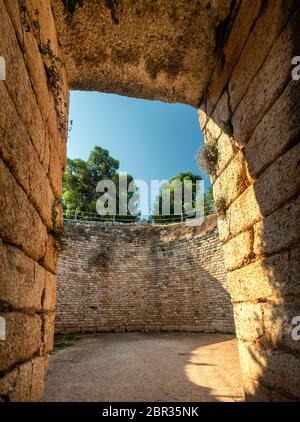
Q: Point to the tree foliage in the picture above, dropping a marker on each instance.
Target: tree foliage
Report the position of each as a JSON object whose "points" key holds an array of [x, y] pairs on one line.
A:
{"points": [[185, 207], [81, 178]]}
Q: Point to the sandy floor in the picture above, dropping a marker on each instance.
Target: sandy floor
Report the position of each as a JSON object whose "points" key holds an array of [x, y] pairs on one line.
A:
{"points": [[146, 367]]}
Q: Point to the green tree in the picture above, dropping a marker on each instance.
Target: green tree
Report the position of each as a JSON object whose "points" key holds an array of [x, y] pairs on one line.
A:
{"points": [[81, 178], [209, 202], [176, 182]]}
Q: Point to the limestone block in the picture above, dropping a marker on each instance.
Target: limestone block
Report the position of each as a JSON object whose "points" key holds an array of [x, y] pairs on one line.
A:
{"points": [[267, 85], [13, 9], [50, 258], [280, 182], [50, 292], [233, 181], [20, 390], [212, 131], [248, 319], [202, 117], [21, 157], [19, 86], [268, 277], [25, 382], [268, 26], [295, 270], [279, 230], [238, 250], [282, 372], [222, 114], [226, 151], [23, 337], [240, 30], [277, 130], [20, 287], [39, 367], [20, 222], [224, 229], [278, 325], [48, 333], [244, 211]]}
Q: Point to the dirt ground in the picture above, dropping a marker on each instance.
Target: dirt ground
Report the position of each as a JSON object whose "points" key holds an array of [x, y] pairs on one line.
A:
{"points": [[144, 367]]}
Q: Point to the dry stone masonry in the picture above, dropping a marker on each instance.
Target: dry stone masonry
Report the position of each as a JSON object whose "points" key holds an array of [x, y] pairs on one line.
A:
{"points": [[251, 113], [141, 278], [233, 60]]}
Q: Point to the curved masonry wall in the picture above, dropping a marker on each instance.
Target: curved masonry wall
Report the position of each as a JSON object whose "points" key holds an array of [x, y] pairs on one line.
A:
{"points": [[140, 277]]}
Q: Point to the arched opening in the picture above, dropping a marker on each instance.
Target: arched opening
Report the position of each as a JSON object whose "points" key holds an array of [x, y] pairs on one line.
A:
{"points": [[250, 99], [152, 277]]}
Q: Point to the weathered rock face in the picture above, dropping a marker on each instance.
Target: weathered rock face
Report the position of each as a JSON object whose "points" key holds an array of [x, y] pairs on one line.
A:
{"points": [[33, 128], [137, 278], [158, 49], [251, 114], [236, 57]]}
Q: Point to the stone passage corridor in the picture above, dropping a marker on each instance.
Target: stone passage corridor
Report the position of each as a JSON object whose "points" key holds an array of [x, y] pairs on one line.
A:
{"points": [[146, 367]]}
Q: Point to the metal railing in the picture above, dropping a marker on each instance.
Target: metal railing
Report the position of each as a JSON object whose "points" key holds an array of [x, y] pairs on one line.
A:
{"points": [[129, 219]]}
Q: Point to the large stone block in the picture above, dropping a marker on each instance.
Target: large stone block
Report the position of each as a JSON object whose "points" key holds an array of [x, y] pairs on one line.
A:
{"points": [[20, 222], [19, 86], [278, 325], [202, 117], [248, 319], [19, 389], [282, 372], [273, 369], [50, 258], [19, 154], [226, 151], [253, 361], [272, 19], [212, 131], [241, 28], [267, 85], [48, 333], [244, 212], [278, 129], [233, 180], [267, 278], [13, 9], [25, 382], [280, 182], [238, 251], [39, 368], [49, 301], [222, 114], [279, 230], [23, 338], [295, 270], [20, 287]]}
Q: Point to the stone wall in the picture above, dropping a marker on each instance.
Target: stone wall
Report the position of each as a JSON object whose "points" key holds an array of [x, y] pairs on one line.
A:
{"points": [[250, 108], [33, 123], [251, 113], [142, 277]]}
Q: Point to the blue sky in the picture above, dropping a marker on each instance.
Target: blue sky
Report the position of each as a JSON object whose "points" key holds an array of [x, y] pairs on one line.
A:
{"points": [[151, 139]]}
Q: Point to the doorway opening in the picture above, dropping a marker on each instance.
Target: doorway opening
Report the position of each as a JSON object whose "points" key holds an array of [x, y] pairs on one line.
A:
{"points": [[142, 275]]}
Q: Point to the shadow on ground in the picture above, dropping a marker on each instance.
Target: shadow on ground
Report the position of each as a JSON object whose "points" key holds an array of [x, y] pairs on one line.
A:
{"points": [[144, 367]]}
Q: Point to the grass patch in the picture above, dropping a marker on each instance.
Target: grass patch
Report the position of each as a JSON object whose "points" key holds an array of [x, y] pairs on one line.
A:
{"points": [[63, 341]]}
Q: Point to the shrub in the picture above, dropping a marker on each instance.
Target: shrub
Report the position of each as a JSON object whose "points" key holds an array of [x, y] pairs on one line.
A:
{"points": [[221, 206], [208, 157]]}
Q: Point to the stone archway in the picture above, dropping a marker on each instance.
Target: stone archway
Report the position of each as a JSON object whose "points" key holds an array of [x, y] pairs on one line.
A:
{"points": [[203, 54]]}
